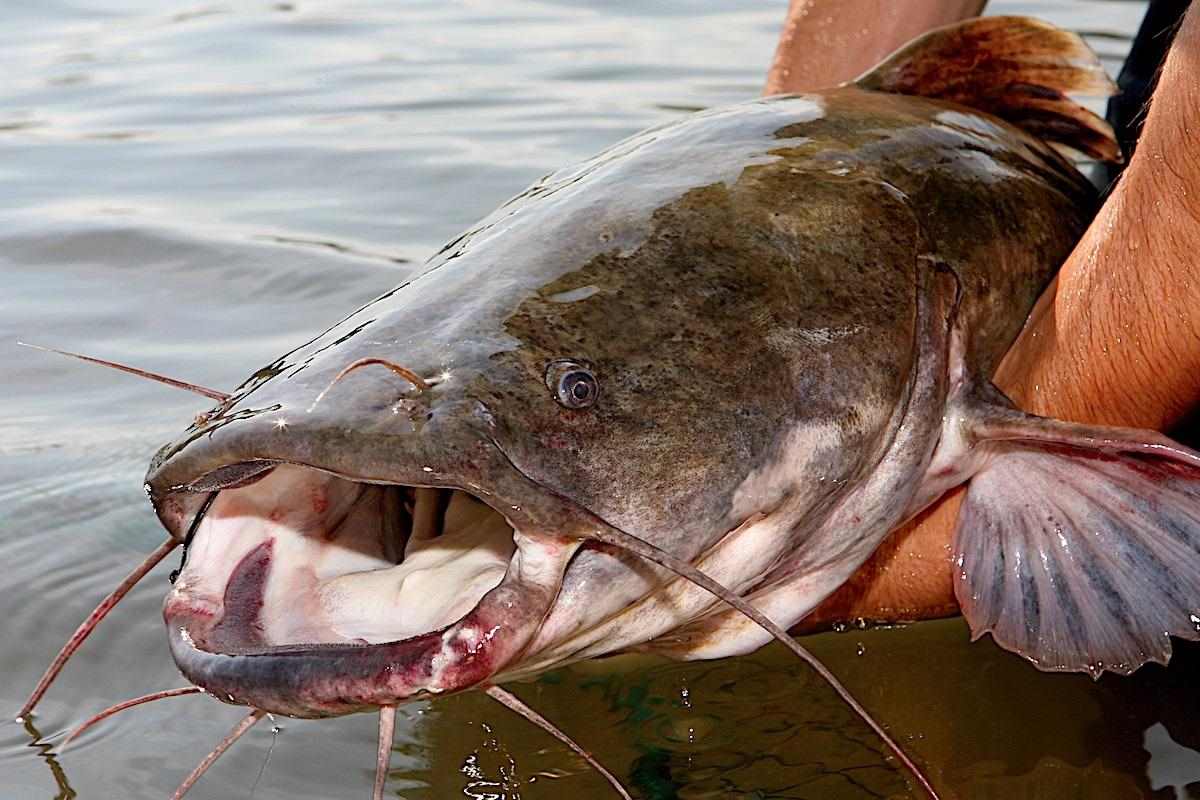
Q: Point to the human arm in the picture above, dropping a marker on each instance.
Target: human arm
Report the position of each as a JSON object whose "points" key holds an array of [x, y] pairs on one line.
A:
{"points": [[828, 42]]}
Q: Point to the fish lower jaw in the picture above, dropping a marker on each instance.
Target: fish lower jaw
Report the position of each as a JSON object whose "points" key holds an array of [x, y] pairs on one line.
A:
{"points": [[313, 681], [309, 595]]}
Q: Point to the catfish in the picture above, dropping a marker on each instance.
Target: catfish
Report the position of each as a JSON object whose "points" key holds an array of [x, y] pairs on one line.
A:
{"points": [[671, 398]]}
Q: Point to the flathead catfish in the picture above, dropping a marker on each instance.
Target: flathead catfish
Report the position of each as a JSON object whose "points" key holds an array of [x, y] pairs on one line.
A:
{"points": [[729, 354]]}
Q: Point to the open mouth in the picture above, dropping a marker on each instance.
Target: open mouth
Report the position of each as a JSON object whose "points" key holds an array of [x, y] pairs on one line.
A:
{"points": [[310, 594], [302, 557]]}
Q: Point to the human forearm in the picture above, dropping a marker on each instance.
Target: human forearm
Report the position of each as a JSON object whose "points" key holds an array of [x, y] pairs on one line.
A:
{"points": [[827, 42]]}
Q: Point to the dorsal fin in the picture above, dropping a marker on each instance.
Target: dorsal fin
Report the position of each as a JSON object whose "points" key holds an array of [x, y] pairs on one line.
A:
{"points": [[1017, 68]]}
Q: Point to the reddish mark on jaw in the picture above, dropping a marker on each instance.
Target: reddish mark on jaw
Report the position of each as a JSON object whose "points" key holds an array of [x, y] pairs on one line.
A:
{"points": [[320, 500]]}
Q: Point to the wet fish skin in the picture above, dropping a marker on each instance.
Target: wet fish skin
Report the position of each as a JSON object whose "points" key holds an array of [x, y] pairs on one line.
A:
{"points": [[753, 348], [791, 308], [744, 283]]}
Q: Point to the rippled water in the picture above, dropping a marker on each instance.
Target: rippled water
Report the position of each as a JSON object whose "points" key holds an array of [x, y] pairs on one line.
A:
{"points": [[196, 191]]}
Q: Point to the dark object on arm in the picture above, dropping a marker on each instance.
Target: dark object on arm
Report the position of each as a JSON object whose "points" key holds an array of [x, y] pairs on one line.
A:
{"points": [[1139, 75]]}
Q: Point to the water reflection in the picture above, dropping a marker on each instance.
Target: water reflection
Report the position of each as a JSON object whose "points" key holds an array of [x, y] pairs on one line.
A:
{"points": [[45, 751], [983, 722]]}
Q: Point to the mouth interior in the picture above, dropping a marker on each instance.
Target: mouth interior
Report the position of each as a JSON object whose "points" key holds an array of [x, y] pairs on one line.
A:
{"points": [[302, 557]]}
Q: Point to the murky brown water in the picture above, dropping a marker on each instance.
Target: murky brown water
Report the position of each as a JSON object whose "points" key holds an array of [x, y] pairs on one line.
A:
{"points": [[198, 190]]}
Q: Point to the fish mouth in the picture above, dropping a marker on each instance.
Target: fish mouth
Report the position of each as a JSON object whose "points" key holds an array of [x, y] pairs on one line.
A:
{"points": [[311, 594]]}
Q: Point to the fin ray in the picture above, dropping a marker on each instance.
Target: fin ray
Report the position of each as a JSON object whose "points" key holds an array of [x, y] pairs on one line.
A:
{"points": [[1082, 555], [1016, 68]]}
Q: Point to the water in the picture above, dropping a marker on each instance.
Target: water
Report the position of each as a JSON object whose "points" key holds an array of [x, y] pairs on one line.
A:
{"points": [[195, 191]]}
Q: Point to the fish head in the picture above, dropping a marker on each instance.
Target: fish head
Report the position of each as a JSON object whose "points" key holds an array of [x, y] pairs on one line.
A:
{"points": [[355, 535], [395, 516]]}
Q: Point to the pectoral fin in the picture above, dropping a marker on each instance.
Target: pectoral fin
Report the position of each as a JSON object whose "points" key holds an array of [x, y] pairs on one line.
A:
{"points": [[1079, 547]]}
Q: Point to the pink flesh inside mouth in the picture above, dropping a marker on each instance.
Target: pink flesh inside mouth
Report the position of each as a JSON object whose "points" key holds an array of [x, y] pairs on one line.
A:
{"points": [[416, 590]]}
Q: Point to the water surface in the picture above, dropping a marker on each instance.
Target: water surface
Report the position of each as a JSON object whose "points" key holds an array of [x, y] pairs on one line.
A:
{"points": [[197, 190]]}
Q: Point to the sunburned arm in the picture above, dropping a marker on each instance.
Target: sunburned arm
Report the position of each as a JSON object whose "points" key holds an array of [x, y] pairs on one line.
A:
{"points": [[827, 42], [1116, 341]]}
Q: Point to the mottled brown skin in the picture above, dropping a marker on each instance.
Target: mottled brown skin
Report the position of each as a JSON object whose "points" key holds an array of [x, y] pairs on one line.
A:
{"points": [[696, 336], [729, 278]]}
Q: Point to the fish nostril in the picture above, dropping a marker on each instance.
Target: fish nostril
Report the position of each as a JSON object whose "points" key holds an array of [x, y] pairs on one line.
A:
{"points": [[412, 408]]}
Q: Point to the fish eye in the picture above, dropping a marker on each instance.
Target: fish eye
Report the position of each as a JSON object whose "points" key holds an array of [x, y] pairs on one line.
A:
{"points": [[574, 386]]}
